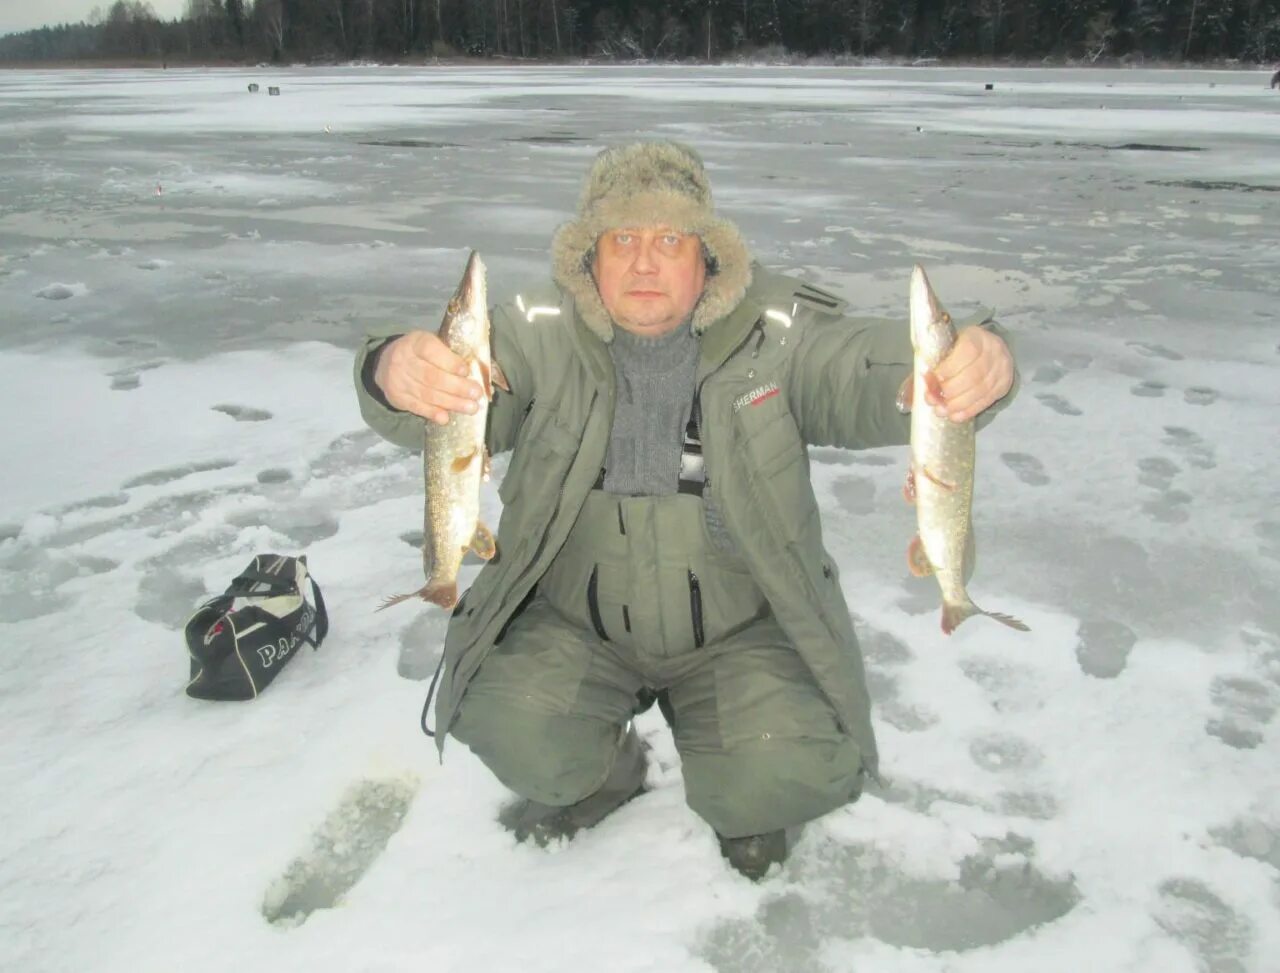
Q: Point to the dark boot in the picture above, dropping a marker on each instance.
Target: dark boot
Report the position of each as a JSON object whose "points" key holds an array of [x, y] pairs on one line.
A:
{"points": [[753, 854], [545, 823]]}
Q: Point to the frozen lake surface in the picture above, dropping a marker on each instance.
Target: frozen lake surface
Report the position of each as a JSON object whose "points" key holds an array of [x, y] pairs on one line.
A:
{"points": [[185, 269]]}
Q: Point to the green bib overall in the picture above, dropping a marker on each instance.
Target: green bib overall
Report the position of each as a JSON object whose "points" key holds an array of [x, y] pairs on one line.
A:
{"points": [[639, 598]]}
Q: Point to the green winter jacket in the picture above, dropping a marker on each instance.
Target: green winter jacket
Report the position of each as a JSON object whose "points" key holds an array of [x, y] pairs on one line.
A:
{"points": [[784, 368]]}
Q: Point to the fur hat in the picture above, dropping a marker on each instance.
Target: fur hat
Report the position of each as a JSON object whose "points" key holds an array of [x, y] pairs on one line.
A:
{"points": [[649, 184]]}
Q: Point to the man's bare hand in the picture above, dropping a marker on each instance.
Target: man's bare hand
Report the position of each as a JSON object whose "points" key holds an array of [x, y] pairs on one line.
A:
{"points": [[977, 372], [418, 373]]}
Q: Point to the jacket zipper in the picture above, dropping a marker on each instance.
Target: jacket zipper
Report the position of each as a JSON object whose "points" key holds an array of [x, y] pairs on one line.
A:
{"points": [[593, 605], [695, 609]]}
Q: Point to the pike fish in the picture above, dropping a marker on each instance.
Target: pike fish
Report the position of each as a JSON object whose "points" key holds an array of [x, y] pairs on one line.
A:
{"points": [[454, 457], [940, 480]]}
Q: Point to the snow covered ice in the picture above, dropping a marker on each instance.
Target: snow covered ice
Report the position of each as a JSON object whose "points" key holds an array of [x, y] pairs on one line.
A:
{"points": [[185, 269]]}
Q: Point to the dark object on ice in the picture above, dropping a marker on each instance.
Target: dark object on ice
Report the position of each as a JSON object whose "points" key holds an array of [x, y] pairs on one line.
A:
{"points": [[240, 640], [989, 86], [1275, 80], [253, 88], [754, 854], [545, 823], [273, 90]]}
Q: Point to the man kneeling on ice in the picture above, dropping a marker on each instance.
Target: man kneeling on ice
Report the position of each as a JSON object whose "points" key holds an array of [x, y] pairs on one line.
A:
{"points": [[659, 538]]}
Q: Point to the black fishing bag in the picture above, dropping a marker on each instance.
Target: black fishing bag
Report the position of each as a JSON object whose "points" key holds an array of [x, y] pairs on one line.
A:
{"points": [[240, 640]]}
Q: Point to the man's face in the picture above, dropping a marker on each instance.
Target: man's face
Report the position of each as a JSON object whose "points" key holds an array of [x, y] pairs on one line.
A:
{"points": [[649, 278]]}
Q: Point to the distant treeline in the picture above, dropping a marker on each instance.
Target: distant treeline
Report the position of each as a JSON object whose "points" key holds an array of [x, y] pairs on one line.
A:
{"points": [[704, 30]]}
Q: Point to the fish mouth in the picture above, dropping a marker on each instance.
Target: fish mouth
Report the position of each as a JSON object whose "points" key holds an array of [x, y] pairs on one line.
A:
{"points": [[471, 289], [930, 322]]}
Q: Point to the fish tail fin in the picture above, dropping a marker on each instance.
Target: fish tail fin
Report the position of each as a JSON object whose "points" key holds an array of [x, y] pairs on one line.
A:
{"points": [[442, 593], [955, 613], [1009, 620], [396, 599]]}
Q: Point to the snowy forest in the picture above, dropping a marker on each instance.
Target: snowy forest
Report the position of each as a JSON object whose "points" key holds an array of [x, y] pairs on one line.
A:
{"points": [[324, 31]]}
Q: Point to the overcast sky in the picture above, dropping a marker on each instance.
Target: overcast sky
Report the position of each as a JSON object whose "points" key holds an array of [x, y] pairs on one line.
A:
{"points": [[24, 14]]}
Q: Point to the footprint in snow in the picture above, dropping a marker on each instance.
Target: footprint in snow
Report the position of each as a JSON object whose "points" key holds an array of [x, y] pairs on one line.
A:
{"points": [[1002, 753], [881, 648], [172, 473], [1008, 685], [1245, 707], [1076, 360], [1200, 396], [1251, 838], [1193, 448], [1157, 472], [60, 292], [1155, 351], [1190, 912], [907, 717], [1058, 404], [343, 848], [1029, 804], [857, 892], [1149, 389], [1026, 467], [1048, 374], [344, 453], [243, 413], [1103, 647], [128, 379], [1170, 507]]}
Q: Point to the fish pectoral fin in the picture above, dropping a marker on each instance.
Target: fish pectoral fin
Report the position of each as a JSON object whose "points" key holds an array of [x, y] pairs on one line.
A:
{"points": [[497, 377], [486, 377], [460, 463], [482, 543], [909, 487], [902, 401], [942, 484], [918, 562]]}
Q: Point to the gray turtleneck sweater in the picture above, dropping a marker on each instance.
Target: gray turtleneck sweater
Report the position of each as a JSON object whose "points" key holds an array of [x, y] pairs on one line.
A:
{"points": [[655, 379]]}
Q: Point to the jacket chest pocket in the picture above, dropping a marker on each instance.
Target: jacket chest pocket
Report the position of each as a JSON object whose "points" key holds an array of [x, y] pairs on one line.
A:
{"points": [[543, 453], [777, 465]]}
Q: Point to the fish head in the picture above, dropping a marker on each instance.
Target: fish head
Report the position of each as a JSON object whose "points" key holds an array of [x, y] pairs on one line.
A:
{"points": [[466, 320], [932, 330]]}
